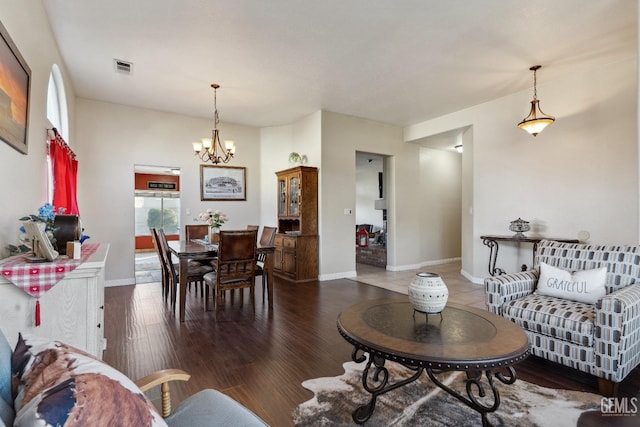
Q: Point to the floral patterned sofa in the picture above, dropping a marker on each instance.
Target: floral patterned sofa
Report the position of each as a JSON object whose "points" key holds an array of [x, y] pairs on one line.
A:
{"points": [[601, 337]]}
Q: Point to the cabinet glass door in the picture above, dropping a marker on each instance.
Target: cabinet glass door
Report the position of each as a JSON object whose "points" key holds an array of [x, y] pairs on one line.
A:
{"points": [[282, 197], [294, 195]]}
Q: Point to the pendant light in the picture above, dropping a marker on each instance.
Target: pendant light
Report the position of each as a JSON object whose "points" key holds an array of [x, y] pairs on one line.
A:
{"points": [[536, 121], [211, 149]]}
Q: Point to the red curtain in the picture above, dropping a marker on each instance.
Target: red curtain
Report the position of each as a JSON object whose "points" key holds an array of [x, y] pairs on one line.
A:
{"points": [[65, 174]]}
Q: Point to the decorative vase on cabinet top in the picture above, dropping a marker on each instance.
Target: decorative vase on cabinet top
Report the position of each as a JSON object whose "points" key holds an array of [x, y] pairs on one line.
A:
{"points": [[428, 293]]}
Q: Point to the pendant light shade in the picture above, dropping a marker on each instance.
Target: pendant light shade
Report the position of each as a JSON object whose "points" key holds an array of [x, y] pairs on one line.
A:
{"points": [[537, 120]]}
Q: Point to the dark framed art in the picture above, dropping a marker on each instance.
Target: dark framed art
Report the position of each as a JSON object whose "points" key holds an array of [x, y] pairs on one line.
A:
{"points": [[15, 78], [223, 183]]}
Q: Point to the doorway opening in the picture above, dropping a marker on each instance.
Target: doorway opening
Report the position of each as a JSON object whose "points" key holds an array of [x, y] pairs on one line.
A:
{"points": [[156, 205], [443, 188], [370, 212]]}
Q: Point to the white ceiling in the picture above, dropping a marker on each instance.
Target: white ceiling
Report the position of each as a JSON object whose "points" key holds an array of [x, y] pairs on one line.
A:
{"points": [[394, 61]]}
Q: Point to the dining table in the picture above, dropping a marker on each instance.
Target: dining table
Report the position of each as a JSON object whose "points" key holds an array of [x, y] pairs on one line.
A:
{"points": [[186, 250]]}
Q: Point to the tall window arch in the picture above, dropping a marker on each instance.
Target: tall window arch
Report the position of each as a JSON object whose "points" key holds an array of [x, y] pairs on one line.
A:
{"points": [[62, 166], [57, 103]]}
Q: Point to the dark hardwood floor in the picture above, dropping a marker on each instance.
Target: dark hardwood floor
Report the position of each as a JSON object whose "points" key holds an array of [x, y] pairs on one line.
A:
{"points": [[261, 358]]}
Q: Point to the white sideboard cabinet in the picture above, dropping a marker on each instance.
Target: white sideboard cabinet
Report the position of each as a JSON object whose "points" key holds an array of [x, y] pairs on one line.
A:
{"points": [[72, 311]]}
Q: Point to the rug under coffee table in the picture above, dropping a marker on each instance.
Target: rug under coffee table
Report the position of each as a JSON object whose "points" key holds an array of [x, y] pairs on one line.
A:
{"points": [[461, 338]]}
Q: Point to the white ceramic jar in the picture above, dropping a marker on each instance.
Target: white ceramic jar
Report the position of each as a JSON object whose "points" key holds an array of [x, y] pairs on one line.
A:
{"points": [[428, 293]]}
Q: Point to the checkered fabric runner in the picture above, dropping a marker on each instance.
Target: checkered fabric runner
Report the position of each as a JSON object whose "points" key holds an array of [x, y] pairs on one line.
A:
{"points": [[37, 278]]}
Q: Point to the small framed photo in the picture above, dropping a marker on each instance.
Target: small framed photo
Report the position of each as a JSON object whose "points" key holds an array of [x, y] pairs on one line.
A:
{"points": [[14, 94], [223, 183]]}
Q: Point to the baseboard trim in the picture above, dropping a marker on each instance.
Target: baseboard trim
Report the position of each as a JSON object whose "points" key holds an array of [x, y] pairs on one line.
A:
{"points": [[352, 274], [469, 277], [422, 264], [334, 276]]}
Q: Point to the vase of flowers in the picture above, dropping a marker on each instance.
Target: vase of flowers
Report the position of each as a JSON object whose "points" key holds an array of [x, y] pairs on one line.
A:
{"points": [[214, 219], [214, 234]]}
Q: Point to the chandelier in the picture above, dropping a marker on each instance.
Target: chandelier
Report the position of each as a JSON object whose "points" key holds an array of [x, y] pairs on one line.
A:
{"points": [[536, 120], [211, 149]]}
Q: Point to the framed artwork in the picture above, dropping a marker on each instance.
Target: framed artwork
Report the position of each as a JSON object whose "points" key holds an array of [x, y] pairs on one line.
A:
{"points": [[223, 183], [15, 77]]}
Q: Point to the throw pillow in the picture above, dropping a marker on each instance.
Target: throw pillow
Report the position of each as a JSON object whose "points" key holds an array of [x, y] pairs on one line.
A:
{"points": [[583, 286], [59, 385]]}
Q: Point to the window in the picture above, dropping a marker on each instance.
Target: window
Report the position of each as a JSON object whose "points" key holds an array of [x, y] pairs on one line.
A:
{"points": [[57, 103], [57, 115], [159, 209]]}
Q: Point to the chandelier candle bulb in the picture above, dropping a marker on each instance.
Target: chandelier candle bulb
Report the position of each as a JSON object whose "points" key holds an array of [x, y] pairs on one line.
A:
{"points": [[230, 145], [428, 293]]}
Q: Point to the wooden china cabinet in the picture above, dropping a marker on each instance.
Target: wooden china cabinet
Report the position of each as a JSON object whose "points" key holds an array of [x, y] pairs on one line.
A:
{"points": [[296, 243]]}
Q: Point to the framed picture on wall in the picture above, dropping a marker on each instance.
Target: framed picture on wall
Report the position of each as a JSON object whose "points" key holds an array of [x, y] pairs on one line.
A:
{"points": [[15, 76], [223, 183]]}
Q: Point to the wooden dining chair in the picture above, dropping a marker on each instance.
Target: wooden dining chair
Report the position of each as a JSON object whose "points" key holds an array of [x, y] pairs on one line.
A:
{"points": [[267, 236], [163, 267], [256, 228], [266, 239], [234, 267], [196, 231], [195, 271]]}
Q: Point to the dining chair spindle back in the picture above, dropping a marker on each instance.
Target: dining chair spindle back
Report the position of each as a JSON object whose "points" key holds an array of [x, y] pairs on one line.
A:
{"points": [[195, 231], [195, 272], [155, 238], [266, 239], [234, 266]]}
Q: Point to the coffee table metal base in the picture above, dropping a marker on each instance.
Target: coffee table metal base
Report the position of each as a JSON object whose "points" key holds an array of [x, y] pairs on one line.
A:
{"points": [[477, 387], [483, 345]]}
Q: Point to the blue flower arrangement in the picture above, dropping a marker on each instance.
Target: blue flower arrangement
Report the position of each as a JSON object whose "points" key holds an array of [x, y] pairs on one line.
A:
{"points": [[47, 214]]}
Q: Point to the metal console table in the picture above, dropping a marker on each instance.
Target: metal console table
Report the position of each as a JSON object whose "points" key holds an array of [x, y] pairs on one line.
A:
{"points": [[492, 242]]}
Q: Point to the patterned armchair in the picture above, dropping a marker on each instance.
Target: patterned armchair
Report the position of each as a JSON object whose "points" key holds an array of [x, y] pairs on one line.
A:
{"points": [[602, 339]]}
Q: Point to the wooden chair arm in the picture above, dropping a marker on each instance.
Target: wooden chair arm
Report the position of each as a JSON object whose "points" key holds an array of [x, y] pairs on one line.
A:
{"points": [[162, 378]]}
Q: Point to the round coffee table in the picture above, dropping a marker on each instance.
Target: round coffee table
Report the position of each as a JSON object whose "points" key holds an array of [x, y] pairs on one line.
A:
{"points": [[460, 338]]}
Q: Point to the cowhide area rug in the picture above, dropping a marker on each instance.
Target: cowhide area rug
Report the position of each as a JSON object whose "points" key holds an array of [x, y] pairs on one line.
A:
{"points": [[421, 403]]}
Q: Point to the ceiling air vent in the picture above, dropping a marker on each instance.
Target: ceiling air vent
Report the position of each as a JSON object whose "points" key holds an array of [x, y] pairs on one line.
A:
{"points": [[123, 67]]}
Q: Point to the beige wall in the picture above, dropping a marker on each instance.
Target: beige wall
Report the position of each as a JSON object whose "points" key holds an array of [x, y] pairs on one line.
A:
{"points": [[438, 198], [342, 136], [581, 173], [23, 177], [467, 239], [277, 143], [114, 138]]}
